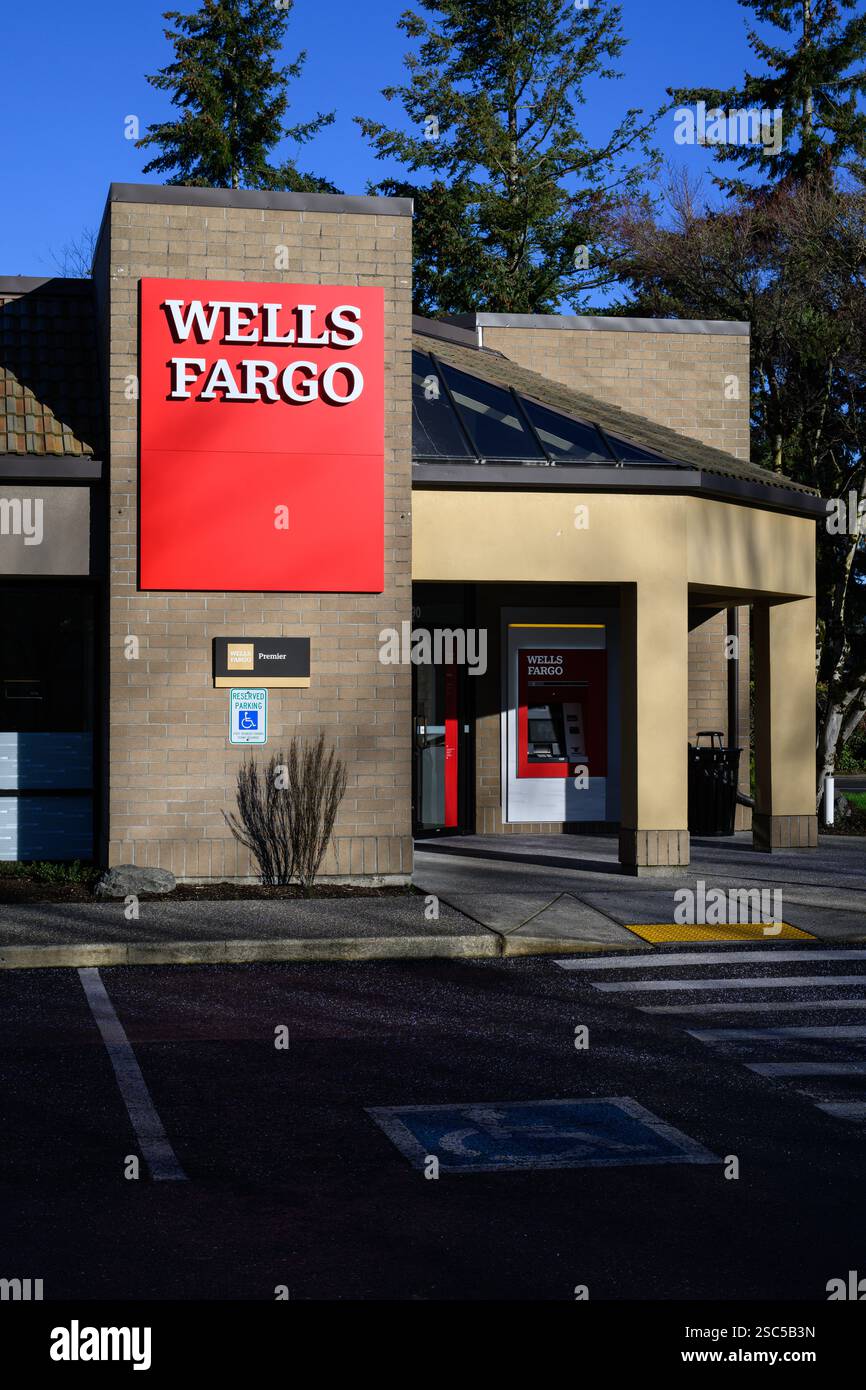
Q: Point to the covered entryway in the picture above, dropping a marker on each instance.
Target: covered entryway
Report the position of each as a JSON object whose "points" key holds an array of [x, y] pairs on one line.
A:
{"points": [[551, 507]]}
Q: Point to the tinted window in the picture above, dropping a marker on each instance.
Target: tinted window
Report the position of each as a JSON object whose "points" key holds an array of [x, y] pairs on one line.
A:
{"points": [[491, 418], [567, 441], [635, 453], [435, 431]]}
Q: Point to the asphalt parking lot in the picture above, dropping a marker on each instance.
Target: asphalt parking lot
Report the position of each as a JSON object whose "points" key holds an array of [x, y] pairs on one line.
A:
{"points": [[285, 1180]]}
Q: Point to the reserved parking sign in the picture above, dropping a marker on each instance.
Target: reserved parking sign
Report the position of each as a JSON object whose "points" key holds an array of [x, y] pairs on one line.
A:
{"points": [[248, 716]]}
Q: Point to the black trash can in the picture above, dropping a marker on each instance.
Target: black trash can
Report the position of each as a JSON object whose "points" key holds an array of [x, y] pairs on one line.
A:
{"points": [[713, 776]]}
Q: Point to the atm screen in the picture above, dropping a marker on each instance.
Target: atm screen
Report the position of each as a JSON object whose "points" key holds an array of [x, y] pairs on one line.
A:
{"points": [[545, 740]]}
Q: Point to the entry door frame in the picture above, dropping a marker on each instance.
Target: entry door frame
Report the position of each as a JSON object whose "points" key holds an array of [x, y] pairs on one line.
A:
{"points": [[462, 713], [559, 617]]}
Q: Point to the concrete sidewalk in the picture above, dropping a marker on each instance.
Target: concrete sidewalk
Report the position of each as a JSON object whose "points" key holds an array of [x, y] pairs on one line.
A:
{"points": [[542, 892], [227, 931], [496, 896]]}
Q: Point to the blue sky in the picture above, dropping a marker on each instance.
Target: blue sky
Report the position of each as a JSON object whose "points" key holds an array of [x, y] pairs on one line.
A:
{"points": [[73, 73]]}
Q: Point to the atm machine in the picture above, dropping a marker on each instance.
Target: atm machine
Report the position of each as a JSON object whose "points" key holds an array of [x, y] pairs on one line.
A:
{"points": [[556, 722]]}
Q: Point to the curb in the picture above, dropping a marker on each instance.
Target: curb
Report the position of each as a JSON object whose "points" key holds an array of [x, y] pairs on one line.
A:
{"points": [[240, 952]]}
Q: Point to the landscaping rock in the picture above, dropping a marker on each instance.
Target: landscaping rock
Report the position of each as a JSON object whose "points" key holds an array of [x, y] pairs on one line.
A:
{"points": [[841, 807], [124, 879]]}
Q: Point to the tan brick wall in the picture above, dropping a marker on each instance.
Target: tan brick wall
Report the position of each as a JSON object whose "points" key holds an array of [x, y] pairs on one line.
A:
{"points": [[172, 767], [675, 379], [708, 690]]}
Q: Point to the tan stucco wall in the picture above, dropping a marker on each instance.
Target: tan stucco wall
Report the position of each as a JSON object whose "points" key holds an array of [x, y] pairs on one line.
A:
{"points": [[742, 547], [463, 535]]}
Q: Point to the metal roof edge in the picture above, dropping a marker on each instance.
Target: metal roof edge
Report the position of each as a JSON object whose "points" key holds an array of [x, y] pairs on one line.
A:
{"points": [[60, 284], [598, 323], [637, 478], [266, 199]]}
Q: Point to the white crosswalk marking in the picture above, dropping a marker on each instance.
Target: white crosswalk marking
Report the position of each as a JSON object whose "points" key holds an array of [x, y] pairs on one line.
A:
{"points": [[660, 960], [736, 982], [750, 1006], [766, 1050], [842, 1030], [808, 1068]]}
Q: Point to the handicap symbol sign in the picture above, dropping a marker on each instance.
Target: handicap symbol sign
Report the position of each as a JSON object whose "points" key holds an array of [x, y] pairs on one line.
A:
{"points": [[484, 1138], [248, 716]]}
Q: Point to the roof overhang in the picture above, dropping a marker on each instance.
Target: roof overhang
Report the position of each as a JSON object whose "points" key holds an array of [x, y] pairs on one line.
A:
{"points": [[639, 478]]}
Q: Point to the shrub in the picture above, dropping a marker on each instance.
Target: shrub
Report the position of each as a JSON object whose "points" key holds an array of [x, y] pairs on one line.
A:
{"points": [[49, 871], [852, 757], [286, 814]]}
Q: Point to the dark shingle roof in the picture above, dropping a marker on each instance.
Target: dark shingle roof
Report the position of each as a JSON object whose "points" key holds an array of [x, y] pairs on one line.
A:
{"points": [[50, 401], [678, 448]]}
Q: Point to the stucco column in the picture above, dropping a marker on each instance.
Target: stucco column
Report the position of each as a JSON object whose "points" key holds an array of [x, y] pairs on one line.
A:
{"points": [[783, 638], [654, 837]]}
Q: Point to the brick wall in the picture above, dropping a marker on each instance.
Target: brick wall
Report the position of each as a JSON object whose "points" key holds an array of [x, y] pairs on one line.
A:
{"points": [[708, 690], [172, 767], [675, 379]]}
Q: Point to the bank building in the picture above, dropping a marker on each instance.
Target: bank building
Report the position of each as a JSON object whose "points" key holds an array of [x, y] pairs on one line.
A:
{"points": [[511, 565]]}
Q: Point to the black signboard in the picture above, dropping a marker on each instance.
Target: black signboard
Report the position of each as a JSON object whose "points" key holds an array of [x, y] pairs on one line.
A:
{"points": [[246, 662]]}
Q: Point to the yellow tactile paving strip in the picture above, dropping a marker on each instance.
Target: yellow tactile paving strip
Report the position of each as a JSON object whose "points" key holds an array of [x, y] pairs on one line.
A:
{"points": [[660, 932]]}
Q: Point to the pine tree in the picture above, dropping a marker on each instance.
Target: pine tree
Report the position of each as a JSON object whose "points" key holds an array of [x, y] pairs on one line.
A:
{"points": [[232, 97], [513, 200], [815, 80]]}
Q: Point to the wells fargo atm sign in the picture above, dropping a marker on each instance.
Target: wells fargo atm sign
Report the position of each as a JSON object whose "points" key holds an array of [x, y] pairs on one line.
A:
{"points": [[261, 437]]}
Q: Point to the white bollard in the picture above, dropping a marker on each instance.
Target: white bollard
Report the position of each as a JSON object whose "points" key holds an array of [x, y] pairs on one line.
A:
{"points": [[829, 798]]}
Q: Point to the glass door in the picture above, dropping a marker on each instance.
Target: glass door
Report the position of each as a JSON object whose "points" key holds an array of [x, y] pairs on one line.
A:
{"points": [[439, 722]]}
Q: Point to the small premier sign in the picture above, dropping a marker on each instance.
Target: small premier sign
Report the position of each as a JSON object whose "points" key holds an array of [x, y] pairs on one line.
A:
{"points": [[248, 716], [256, 662]]}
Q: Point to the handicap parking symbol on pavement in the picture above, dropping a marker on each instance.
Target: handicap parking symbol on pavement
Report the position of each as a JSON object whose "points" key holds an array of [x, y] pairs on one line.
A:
{"points": [[488, 1137]]}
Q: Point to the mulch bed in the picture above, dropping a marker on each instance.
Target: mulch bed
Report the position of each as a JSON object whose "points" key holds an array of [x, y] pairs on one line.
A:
{"points": [[22, 889]]}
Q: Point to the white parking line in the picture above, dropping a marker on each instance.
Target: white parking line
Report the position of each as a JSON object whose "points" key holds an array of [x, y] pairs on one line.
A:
{"points": [[751, 1007], [843, 1110], [736, 982], [659, 960], [153, 1141], [843, 1030], [807, 1068]]}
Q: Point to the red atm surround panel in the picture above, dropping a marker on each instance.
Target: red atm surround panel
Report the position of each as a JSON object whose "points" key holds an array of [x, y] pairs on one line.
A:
{"points": [[213, 472], [572, 676]]}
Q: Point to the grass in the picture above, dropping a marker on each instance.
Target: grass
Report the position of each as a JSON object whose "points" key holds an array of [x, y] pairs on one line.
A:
{"points": [[857, 800], [50, 871]]}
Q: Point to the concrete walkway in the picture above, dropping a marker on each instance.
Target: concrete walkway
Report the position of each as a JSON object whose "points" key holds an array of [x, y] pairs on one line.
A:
{"points": [[541, 892], [222, 932], [477, 896]]}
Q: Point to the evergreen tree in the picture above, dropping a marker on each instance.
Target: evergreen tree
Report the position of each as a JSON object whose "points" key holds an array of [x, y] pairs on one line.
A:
{"points": [[815, 80], [232, 98], [514, 200]]}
